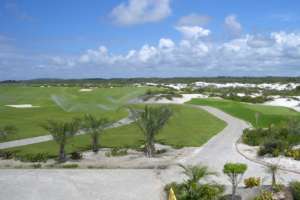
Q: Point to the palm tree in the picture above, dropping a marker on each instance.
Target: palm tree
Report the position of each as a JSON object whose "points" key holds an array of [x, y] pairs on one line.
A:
{"points": [[94, 127], [196, 173], [61, 132], [151, 120], [273, 170], [192, 189], [7, 130]]}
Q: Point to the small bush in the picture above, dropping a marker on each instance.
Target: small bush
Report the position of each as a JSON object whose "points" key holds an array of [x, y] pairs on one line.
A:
{"points": [[116, 152], [6, 154], [295, 188], [293, 153], [36, 166], [70, 166], [265, 195], [252, 182], [272, 147], [39, 157], [76, 155], [161, 151], [254, 137]]}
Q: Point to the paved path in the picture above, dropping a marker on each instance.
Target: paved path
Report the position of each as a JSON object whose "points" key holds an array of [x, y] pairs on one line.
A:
{"points": [[130, 184], [221, 149], [80, 185], [45, 138]]}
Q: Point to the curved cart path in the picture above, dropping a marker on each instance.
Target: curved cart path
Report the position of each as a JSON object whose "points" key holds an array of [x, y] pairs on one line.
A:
{"points": [[221, 149], [133, 184], [45, 138]]}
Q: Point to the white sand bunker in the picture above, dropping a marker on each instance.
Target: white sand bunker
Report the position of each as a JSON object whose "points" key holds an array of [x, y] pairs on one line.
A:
{"points": [[293, 103], [23, 106], [85, 90], [177, 100]]}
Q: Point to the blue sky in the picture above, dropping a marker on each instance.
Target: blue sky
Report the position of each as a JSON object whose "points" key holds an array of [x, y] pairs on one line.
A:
{"points": [[130, 38]]}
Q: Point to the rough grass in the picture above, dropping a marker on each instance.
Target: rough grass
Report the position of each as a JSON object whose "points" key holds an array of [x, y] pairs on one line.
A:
{"points": [[267, 114], [59, 103], [187, 127]]}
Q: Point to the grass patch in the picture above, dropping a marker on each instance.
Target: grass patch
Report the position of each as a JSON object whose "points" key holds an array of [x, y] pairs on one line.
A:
{"points": [[59, 103], [187, 127], [267, 114]]}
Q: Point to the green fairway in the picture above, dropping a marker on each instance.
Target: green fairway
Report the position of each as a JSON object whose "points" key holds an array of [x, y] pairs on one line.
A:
{"points": [[59, 103], [187, 127], [267, 114]]}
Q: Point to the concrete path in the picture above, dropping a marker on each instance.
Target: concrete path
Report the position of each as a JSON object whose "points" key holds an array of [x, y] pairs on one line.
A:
{"points": [[80, 185], [221, 149], [131, 184], [45, 138]]}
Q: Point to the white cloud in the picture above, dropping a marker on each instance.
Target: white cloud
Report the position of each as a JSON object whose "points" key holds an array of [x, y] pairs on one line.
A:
{"points": [[166, 43], [141, 11], [275, 54], [193, 32], [232, 25], [194, 20]]}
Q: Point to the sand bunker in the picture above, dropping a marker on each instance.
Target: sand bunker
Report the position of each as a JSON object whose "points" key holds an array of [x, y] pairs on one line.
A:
{"points": [[293, 103], [22, 106], [85, 90], [177, 100]]}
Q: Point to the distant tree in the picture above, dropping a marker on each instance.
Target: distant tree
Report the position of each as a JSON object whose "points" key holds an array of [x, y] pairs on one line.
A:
{"points": [[94, 127], [235, 172], [61, 132], [151, 120], [7, 130]]}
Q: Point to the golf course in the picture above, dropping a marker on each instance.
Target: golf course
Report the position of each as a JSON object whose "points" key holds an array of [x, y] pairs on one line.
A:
{"points": [[256, 114], [59, 103]]}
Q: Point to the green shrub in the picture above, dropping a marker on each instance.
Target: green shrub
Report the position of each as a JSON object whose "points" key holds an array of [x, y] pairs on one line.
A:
{"points": [[36, 166], [116, 152], [70, 166], [76, 155], [294, 153], [265, 195], [161, 151], [196, 192], [272, 147], [38, 157], [295, 188], [254, 137], [6, 154], [252, 182]]}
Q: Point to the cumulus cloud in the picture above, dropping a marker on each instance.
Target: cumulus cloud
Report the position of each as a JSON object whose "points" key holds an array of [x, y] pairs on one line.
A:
{"points": [[232, 25], [193, 32], [277, 53], [194, 20], [166, 43], [140, 11]]}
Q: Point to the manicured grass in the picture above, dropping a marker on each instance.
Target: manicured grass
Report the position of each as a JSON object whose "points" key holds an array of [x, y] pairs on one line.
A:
{"points": [[59, 103], [187, 127], [267, 114]]}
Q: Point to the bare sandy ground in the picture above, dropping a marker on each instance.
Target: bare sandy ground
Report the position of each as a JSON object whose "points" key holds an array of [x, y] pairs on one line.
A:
{"points": [[22, 106]]}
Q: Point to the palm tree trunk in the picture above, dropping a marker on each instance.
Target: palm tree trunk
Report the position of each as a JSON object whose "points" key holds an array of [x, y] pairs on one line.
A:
{"points": [[95, 143], [273, 179], [62, 154], [149, 149]]}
